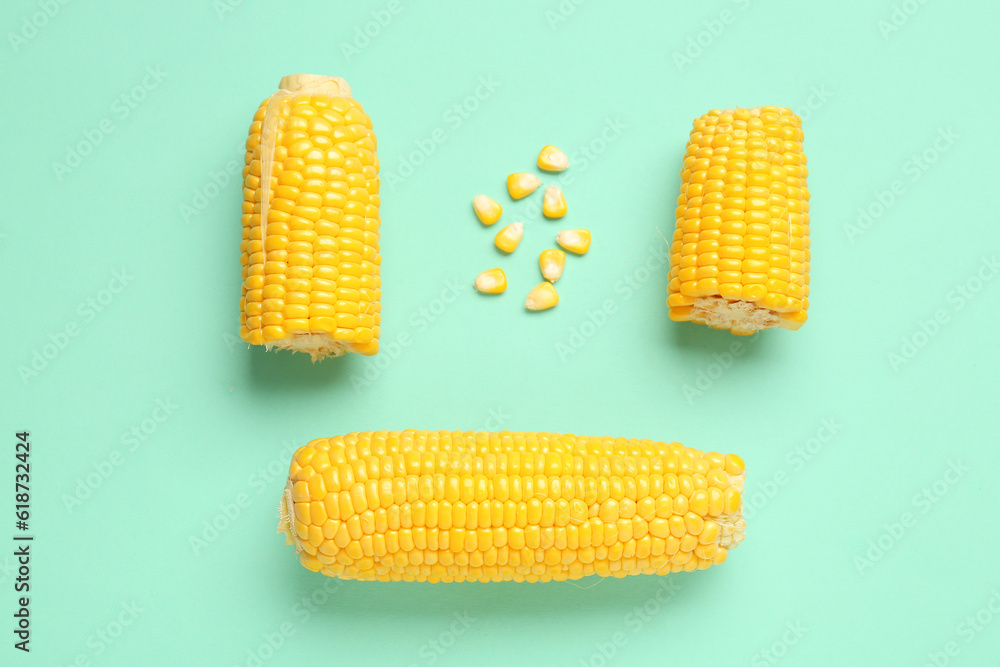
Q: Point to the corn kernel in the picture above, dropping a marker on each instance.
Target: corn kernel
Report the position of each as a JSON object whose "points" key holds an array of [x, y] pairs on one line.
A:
{"points": [[487, 210], [542, 297], [492, 281], [552, 159], [551, 262], [575, 240], [522, 184], [508, 238], [554, 204]]}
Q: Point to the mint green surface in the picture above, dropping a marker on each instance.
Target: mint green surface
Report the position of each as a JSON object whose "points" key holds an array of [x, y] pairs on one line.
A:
{"points": [[869, 435]]}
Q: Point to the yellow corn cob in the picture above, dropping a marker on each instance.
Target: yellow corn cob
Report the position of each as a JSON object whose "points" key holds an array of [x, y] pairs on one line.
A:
{"points": [[510, 506], [310, 250], [740, 252]]}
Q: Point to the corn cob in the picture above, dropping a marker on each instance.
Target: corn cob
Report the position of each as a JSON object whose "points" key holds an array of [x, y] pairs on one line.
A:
{"points": [[510, 506], [310, 250], [740, 251]]}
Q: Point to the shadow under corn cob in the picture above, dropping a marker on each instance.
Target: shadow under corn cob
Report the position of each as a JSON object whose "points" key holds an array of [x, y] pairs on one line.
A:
{"points": [[310, 250]]}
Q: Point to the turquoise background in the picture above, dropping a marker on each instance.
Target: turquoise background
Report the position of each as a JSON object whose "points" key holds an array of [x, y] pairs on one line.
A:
{"points": [[869, 435]]}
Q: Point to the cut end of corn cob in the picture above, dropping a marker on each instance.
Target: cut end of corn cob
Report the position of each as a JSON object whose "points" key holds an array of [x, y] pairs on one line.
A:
{"points": [[575, 240], [551, 262], [522, 184], [542, 297], [508, 238], [554, 204], [310, 250], [740, 250], [443, 506], [315, 84], [552, 159], [493, 281], [487, 210]]}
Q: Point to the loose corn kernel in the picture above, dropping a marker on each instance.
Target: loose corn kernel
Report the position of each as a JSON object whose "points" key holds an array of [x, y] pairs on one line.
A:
{"points": [[551, 262], [542, 297], [742, 223], [492, 281], [511, 506], [487, 210], [575, 240], [508, 238], [554, 204], [552, 159], [522, 184]]}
